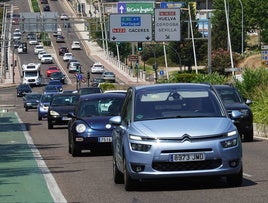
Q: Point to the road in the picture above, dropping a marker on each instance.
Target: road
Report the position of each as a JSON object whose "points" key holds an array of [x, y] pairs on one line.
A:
{"points": [[89, 178]]}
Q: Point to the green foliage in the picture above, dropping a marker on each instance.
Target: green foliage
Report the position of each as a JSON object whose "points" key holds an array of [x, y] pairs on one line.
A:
{"points": [[108, 86], [35, 6]]}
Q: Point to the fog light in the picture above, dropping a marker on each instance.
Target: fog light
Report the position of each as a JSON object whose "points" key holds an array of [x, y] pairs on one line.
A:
{"points": [[234, 163], [140, 147], [137, 167]]}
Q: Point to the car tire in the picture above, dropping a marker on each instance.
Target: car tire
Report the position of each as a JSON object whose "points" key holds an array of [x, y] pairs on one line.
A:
{"points": [[26, 109], [39, 117], [75, 150], [49, 125], [128, 181], [117, 175], [248, 136], [235, 180]]}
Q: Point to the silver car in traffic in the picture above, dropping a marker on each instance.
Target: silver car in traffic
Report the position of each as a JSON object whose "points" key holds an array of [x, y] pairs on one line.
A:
{"points": [[175, 130]]}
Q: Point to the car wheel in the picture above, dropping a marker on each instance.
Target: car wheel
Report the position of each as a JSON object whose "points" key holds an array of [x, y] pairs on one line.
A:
{"points": [[39, 117], [128, 181], [235, 180], [75, 151], [248, 136], [49, 125], [118, 176], [26, 109]]}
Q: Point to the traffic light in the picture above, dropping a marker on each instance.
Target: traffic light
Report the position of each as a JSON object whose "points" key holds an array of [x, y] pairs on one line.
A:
{"points": [[140, 46]]}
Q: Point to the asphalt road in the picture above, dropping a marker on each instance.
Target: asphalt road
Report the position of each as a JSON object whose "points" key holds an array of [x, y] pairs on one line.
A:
{"points": [[89, 178]]}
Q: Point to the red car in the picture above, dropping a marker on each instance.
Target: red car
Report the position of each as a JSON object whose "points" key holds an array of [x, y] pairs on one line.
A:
{"points": [[52, 69]]}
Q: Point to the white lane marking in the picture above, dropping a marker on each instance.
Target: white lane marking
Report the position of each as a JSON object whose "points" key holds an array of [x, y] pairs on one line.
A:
{"points": [[247, 175], [50, 180]]}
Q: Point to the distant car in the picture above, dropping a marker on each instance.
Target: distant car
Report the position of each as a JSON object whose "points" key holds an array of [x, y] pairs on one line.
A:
{"points": [[108, 76], [15, 21], [43, 105], [52, 69], [60, 106], [40, 54], [38, 48], [56, 83], [96, 81], [33, 41], [44, 1], [233, 100], [51, 89], [67, 56], [97, 68], [31, 35], [17, 36], [22, 49], [46, 7], [22, 89], [75, 45], [46, 58], [71, 61], [89, 90], [74, 66], [60, 39], [58, 76], [64, 16], [31, 100], [175, 131], [92, 116], [63, 50]]}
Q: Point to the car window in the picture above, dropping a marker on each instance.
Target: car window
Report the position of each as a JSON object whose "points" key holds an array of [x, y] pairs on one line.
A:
{"points": [[229, 96], [176, 104], [65, 100]]}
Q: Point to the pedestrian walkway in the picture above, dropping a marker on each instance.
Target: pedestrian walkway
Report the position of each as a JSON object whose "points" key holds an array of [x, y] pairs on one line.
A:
{"points": [[24, 176]]}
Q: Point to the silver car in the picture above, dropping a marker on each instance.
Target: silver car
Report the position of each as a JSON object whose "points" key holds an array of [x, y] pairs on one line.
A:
{"points": [[175, 130]]}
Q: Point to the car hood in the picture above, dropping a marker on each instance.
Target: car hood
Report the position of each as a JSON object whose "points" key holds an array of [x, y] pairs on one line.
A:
{"points": [[31, 101], [194, 127], [62, 109], [98, 122]]}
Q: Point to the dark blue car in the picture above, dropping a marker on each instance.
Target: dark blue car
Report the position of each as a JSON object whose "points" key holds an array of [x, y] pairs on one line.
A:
{"points": [[89, 128], [56, 83]]}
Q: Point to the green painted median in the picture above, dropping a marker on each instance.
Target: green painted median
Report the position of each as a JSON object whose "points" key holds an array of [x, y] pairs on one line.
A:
{"points": [[20, 178]]}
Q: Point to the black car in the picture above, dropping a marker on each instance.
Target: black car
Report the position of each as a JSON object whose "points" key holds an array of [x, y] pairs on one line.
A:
{"points": [[63, 50], [46, 8], [22, 89], [58, 76], [96, 81], [60, 39], [31, 100], [60, 106], [91, 117], [233, 100]]}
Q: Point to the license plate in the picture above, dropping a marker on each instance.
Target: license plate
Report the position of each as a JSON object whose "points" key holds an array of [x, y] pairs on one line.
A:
{"points": [[66, 118], [105, 139], [182, 157]]}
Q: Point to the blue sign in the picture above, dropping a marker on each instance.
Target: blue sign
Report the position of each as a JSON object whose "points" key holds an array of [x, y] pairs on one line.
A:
{"points": [[161, 72], [121, 7], [79, 76], [172, 4], [131, 21]]}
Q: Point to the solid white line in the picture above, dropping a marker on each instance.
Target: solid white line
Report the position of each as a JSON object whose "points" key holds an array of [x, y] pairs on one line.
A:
{"points": [[247, 175], [50, 180]]}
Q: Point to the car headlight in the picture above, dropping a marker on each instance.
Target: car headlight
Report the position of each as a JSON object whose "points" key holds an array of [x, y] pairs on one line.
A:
{"points": [[54, 113], [229, 143], [80, 128]]}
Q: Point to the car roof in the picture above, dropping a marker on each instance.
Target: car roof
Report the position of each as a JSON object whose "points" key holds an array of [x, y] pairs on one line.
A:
{"points": [[101, 95]]}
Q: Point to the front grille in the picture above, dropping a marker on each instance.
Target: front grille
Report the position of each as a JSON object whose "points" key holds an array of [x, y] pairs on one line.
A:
{"points": [[187, 166]]}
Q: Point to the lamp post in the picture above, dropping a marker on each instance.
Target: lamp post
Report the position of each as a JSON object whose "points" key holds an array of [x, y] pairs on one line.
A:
{"points": [[242, 27]]}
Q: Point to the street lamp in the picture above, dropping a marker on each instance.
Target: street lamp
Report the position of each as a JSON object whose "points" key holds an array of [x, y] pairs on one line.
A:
{"points": [[242, 27]]}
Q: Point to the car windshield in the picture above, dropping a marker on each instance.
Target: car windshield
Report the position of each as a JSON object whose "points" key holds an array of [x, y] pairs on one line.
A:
{"points": [[99, 107], [65, 100], [46, 98], [33, 97], [176, 104]]}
